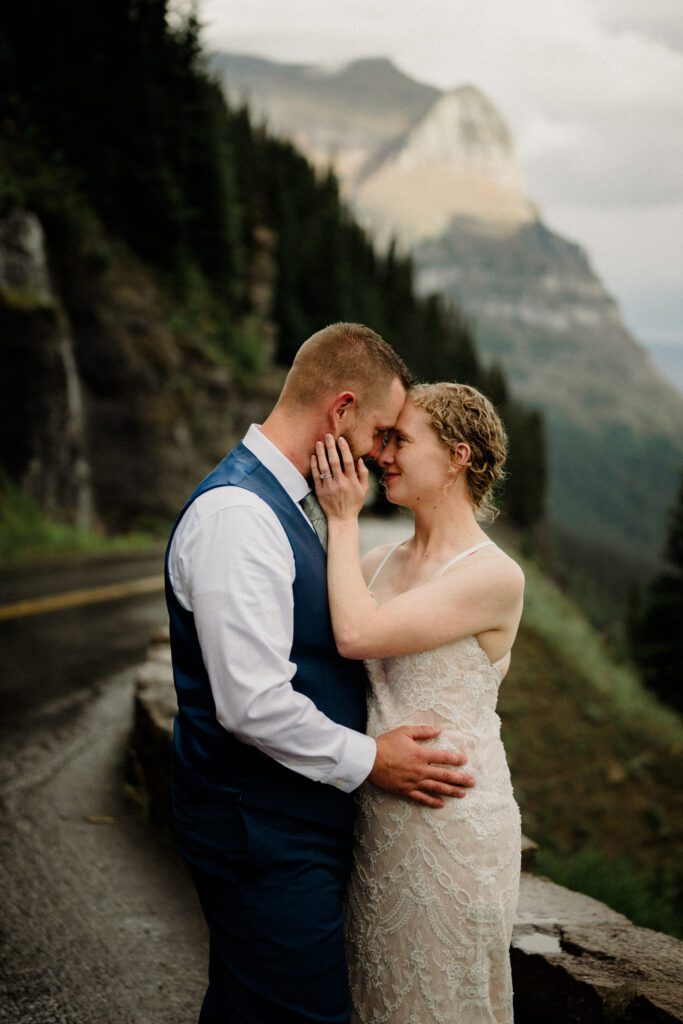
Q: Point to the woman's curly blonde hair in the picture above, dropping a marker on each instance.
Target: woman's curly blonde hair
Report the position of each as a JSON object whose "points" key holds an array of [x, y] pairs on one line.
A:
{"points": [[459, 413]]}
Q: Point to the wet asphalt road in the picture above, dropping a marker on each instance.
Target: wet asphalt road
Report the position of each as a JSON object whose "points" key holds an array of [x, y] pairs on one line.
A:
{"points": [[46, 658], [98, 920]]}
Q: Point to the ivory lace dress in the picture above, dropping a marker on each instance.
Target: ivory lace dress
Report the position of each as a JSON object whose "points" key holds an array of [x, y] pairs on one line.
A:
{"points": [[432, 895]]}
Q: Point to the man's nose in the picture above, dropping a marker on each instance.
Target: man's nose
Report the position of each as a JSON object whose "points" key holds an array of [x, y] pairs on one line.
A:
{"points": [[376, 450]]}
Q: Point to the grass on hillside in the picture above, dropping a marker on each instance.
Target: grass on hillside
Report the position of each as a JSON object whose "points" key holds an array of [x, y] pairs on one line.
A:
{"points": [[596, 764], [557, 618], [27, 534]]}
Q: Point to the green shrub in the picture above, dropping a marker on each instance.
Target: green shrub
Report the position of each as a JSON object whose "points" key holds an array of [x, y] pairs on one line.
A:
{"points": [[250, 349], [27, 533]]}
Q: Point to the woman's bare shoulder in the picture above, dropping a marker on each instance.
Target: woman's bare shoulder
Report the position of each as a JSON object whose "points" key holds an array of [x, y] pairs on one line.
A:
{"points": [[372, 560], [503, 570], [490, 569], [512, 567]]}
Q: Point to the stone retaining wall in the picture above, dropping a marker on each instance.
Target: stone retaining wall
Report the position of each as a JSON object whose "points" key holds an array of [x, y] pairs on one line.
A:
{"points": [[574, 960]]}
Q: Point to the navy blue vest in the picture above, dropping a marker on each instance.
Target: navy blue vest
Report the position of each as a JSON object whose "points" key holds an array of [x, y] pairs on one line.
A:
{"points": [[210, 765]]}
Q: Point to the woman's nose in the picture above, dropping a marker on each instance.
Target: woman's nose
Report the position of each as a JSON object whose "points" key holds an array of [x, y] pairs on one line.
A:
{"points": [[386, 456]]}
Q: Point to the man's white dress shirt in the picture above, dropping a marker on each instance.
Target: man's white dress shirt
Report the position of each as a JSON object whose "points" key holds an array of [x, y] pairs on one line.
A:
{"points": [[232, 566]]}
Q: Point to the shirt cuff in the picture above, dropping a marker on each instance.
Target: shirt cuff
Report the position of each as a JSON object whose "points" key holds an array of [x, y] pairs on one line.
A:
{"points": [[359, 757]]}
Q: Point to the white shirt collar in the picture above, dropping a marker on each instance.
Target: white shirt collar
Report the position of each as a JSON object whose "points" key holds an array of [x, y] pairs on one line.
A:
{"points": [[284, 471]]}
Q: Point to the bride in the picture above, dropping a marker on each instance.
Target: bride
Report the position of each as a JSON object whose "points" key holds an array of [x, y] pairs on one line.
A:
{"points": [[433, 891]]}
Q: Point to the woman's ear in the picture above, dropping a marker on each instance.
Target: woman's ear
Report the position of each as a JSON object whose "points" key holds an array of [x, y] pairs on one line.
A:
{"points": [[461, 457]]}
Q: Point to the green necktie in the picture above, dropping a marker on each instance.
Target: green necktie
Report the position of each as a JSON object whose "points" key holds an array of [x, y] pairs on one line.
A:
{"points": [[311, 507]]}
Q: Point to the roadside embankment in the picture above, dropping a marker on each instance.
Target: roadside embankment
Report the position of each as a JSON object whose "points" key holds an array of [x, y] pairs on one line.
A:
{"points": [[574, 960]]}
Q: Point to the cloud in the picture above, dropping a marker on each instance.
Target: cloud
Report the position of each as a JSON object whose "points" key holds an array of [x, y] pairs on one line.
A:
{"points": [[598, 165], [603, 105], [637, 253], [661, 20], [594, 113], [591, 89]]}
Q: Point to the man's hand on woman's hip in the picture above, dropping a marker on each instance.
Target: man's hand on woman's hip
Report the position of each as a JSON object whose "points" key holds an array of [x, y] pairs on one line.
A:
{"points": [[408, 768]]}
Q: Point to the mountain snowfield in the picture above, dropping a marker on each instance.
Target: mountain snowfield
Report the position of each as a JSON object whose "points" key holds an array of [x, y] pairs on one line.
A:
{"points": [[438, 173]]}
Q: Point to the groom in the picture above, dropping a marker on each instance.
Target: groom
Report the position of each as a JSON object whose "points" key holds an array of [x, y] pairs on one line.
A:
{"points": [[269, 738]]}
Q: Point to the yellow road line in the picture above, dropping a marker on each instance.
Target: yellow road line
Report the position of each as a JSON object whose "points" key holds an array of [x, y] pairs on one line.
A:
{"points": [[76, 598]]}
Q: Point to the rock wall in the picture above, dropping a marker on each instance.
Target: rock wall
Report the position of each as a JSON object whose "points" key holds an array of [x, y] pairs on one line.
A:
{"points": [[43, 433], [110, 414]]}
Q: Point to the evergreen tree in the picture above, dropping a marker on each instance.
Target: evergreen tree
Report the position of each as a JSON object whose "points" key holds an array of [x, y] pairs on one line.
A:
{"points": [[658, 634], [110, 109], [526, 473], [111, 92]]}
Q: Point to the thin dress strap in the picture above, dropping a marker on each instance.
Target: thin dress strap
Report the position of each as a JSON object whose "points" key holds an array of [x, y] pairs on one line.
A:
{"points": [[463, 554], [451, 561], [383, 563]]}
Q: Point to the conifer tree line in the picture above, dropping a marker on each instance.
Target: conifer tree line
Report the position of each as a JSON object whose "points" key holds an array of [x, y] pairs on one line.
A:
{"points": [[657, 633], [106, 106]]}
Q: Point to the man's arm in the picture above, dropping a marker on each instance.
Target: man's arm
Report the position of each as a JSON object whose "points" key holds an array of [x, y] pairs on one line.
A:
{"points": [[232, 566]]}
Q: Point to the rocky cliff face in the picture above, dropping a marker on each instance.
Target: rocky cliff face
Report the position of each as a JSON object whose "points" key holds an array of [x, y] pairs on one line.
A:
{"points": [[107, 415], [445, 181], [43, 414], [458, 160], [615, 427]]}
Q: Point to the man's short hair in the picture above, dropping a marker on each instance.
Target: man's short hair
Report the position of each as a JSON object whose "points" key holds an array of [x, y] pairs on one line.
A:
{"points": [[344, 356]]}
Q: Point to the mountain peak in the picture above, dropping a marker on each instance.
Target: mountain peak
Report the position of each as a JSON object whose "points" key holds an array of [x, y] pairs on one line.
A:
{"points": [[470, 89], [372, 63], [458, 160], [376, 71], [464, 129]]}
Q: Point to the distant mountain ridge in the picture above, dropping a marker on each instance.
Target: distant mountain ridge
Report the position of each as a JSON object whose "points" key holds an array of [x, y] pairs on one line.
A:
{"points": [[311, 105], [669, 359], [615, 426], [438, 172]]}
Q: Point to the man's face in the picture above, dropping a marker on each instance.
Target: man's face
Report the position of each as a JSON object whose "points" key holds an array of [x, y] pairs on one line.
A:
{"points": [[366, 430]]}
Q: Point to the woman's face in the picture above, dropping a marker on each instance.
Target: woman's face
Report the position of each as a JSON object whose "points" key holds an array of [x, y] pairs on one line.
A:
{"points": [[414, 460]]}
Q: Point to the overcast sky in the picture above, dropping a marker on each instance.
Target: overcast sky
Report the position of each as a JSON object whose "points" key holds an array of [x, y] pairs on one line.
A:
{"points": [[592, 90]]}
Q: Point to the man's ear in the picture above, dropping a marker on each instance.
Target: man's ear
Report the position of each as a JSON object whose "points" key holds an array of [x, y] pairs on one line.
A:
{"points": [[343, 404]]}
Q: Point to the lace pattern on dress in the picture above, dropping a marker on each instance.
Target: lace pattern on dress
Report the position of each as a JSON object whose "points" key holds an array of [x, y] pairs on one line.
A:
{"points": [[433, 893]]}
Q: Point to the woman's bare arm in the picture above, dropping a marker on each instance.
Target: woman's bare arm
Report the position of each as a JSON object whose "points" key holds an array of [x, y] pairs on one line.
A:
{"points": [[480, 597]]}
